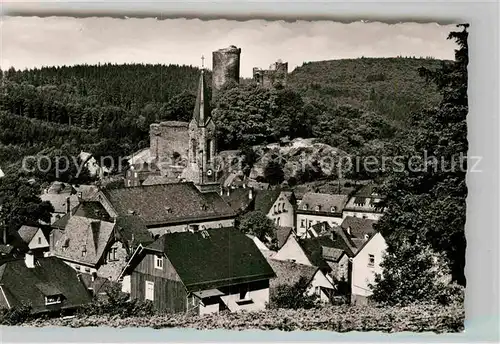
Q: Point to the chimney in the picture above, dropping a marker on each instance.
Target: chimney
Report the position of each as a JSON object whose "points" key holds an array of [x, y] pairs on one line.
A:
{"points": [[68, 205], [250, 193], [29, 260]]}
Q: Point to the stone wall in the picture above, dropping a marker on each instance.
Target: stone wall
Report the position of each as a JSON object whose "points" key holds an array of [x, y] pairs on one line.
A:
{"points": [[277, 74], [167, 138], [226, 67]]}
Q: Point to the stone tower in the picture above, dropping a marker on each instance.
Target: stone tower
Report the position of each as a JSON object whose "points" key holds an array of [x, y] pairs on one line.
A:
{"points": [[276, 75], [226, 67], [202, 143]]}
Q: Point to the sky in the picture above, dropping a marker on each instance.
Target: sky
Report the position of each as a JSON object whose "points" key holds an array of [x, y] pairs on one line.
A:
{"points": [[28, 42]]}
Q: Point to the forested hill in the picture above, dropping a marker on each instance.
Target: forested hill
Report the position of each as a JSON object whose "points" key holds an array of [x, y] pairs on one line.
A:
{"points": [[107, 109], [391, 87]]}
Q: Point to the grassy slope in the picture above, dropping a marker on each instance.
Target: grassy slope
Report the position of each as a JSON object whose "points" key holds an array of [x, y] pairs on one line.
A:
{"points": [[390, 86]]}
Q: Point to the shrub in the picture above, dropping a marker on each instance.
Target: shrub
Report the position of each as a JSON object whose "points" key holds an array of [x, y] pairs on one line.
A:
{"points": [[293, 297], [117, 303], [15, 316]]}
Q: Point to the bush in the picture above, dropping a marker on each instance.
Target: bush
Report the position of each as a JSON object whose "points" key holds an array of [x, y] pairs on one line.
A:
{"points": [[293, 297], [117, 303], [15, 316]]}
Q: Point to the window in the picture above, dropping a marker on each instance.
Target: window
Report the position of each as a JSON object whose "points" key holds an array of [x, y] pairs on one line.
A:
{"points": [[112, 254], [39, 240], [305, 207], [371, 260], [278, 221], [317, 290], [135, 175], [129, 182], [209, 150], [150, 291], [159, 262], [274, 209], [333, 209], [302, 224], [77, 267], [87, 270], [53, 299], [84, 251]]}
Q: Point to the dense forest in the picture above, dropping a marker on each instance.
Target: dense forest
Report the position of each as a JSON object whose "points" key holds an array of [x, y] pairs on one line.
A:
{"points": [[107, 109]]}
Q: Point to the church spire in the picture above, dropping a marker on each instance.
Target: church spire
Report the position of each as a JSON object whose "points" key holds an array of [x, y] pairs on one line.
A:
{"points": [[201, 113]]}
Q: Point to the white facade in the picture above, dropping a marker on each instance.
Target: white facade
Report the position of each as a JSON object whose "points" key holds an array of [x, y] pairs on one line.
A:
{"points": [[38, 241], [282, 212], [370, 215], [318, 285], [305, 221], [366, 264], [291, 250]]}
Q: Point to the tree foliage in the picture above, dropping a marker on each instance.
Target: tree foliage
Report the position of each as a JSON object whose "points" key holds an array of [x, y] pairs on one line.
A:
{"points": [[427, 200], [293, 296], [258, 224]]}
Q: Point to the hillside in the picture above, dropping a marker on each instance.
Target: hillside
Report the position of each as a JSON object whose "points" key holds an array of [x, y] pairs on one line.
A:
{"points": [[389, 86]]}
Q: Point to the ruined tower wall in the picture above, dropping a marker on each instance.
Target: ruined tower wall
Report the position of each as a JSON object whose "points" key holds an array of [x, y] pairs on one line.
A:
{"points": [[167, 138], [277, 74], [226, 67]]}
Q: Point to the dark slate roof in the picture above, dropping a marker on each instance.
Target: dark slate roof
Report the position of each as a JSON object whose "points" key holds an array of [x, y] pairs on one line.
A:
{"points": [[168, 203], [238, 198], [133, 229], [98, 285], [201, 112], [50, 275], [314, 249], [359, 227], [324, 201], [282, 234], [264, 200], [27, 233], [6, 249], [92, 210], [226, 257], [289, 273]]}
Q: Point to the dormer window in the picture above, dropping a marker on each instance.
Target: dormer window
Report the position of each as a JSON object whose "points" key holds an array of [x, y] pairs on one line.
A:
{"points": [[305, 207], [318, 208], [84, 251], [53, 299], [333, 209], [159, 262]]}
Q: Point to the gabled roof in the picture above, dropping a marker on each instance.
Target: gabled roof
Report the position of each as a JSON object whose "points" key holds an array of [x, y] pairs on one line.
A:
{"points": [[201, 112], [83, 234], [31, 285], [88, 192], [58, 200], [359, 227], [133, 229], [282, 234], [224, 258], [314, 248], [264, 200], [27, 233], [168, 203], [324, 201], [158, 179], [238, 198], [289, 273]]}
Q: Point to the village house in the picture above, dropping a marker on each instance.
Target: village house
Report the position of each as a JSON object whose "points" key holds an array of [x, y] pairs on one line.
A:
{"points": [[289, 273], [369, 247], [63, 198], [47, 284], [36, 238], [201, 272], [168, 208], [365, 203], [93, 243], [319, 207], [277, 205]]}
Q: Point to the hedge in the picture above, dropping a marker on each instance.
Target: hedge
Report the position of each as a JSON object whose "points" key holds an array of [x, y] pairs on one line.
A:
{"points": [[428, 318]]}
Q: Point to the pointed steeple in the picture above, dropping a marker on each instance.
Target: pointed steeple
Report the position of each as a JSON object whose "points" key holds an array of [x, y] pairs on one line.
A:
{"points": [[201, 113]]}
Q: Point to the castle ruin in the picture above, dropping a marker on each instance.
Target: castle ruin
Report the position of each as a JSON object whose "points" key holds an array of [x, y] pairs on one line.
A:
{"points": [[276, 75], [225, 68]]}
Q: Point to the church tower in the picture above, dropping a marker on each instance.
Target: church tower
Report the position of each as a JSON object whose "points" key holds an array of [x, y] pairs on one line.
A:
{"points": [[202, 143]]}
